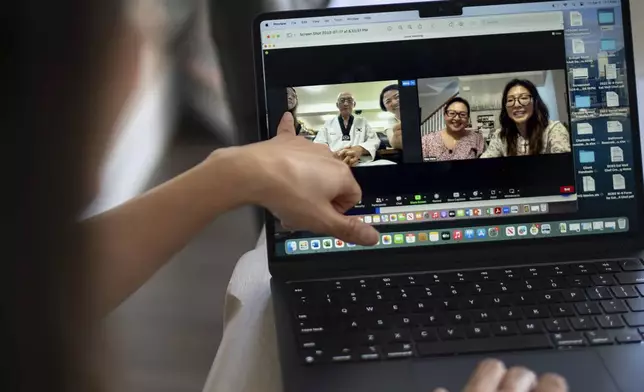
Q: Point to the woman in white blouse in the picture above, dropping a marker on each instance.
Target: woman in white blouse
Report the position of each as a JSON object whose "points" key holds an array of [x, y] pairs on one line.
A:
{"points": [[526, 128]]}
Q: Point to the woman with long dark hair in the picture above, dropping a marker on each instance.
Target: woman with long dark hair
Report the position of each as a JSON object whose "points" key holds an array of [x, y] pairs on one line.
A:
{"points": [[526, 128]]}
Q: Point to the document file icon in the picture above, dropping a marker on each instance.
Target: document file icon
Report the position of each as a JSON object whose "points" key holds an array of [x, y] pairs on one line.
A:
{"points": [[576, 19], [611, 71], [616, 154], [608, 44], [619, 182], [586, 156], [589, 184], [578, 46], [582, 101], [614, 127], [584, 129], [612, 99], [580, 73]]}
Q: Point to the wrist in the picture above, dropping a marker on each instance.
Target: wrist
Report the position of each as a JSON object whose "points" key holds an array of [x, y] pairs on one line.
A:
{"points": [[234, 174]]}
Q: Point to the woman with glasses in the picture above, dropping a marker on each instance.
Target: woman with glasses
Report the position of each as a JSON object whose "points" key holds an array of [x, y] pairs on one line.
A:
{"points": [[526, 128], [390, 102], [455, 142]]}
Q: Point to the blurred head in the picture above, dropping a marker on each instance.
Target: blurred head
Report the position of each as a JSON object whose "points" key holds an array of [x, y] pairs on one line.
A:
{"points": [[457, 114], [390, 100], [291, 99], [346, 103], [523, 107]]}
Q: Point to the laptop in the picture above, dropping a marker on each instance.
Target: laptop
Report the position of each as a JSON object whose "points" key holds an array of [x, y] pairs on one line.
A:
{"points": [[532, 256]]}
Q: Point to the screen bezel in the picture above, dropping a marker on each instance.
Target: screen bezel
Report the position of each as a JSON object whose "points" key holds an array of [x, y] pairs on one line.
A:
{"points": [[444, 257]]}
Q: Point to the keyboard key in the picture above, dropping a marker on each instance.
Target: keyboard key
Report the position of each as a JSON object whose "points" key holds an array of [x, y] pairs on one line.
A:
{"points": [[599, 338], [505, 329], [562, 310], [582, 323], [435, 319], [424, 334], [398, 350], [557, 325], [385, 282], [478, 331], [530, 327], [630, 277], [587, 308], [607, 267], [625, 292], [509, 314], [407, 321], [395, 308], [512, 343], [397, 336], [510, 274], [458, 318], [459, 277], [573, 295], [535, 312], [579, 281], [378, 323], [312, 341], [641, 330], [603, 280], [640, 288], [497, 301], [343, 354], [310, 327], [311, 357], [368, 353], [636, 305], [483, 316], [582, 269], [599, 293], [399, 294], [421, 306], [451, 333], [533, 272], [610, 321], [559, 270], [614, 306], [470, 303], [627, 336], [367, 338], [355, 324], [631, 265], [408, 280], [550, 297], [524, 299], [569, 339], [369, 309], [634, 319], [554, 283], [448, 304]]}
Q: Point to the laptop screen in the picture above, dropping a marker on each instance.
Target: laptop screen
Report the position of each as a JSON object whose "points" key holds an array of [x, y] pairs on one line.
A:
{"points": [[496, 123]]}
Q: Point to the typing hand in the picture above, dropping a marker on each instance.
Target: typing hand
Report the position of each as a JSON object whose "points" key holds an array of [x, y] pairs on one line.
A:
{"points": [[305, 187], [492, 376]]}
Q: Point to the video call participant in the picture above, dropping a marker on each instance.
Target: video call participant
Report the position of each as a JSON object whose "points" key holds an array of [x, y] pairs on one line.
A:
{"points": [[455, 142], [390, 102], [293, 102], [349, 137], [526, 128]]}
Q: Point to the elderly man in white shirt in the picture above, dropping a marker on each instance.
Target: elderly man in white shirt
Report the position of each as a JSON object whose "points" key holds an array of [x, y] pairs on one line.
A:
{"points": [[350, 137]]}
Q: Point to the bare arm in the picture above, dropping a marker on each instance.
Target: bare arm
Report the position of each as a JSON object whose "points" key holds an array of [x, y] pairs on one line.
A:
{"points": [[396, 140], [129, 244]]}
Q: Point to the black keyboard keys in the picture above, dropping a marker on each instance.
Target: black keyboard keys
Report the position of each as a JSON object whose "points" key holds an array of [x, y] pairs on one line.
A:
{"points": [[510, 343], [626, 336], [557, 325], [634, 319], [583, 323], [424, 334], [610, 321], [588, 308], [599, 338], [631, 265], [451, 333], [530, 327], [625, 292], [478, 331], [562, 310], [505, 329], [398, 350], [368, 353], [614, 306], [569, 339], [573, 295], [636, 304]]}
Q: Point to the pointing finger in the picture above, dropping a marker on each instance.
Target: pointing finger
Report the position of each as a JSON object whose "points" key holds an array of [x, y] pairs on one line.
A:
{"points": [[348, 229], [286, 125]]}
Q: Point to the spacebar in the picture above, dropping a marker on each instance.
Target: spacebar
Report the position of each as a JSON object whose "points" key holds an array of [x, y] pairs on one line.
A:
{"points": [[528, 342]]}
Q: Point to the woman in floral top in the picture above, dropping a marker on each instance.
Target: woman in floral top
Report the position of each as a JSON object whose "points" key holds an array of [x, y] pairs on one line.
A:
{"points": [[526, 128], [455, 142]]}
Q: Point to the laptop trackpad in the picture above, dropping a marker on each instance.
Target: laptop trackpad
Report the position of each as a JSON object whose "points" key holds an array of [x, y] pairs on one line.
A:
{"points": [[625, 364], [583, 369]]}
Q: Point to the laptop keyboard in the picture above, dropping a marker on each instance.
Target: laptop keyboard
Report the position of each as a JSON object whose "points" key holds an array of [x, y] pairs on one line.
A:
{"points": [[427, 314]]}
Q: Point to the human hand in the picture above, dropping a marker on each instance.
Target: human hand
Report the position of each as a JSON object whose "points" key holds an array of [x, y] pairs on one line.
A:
{"points": [[304, 186], [492, 376]]}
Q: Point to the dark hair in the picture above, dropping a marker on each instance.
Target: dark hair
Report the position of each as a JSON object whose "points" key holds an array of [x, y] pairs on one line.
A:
{"points": [[536, 125], [457, 99], [391, 87]]}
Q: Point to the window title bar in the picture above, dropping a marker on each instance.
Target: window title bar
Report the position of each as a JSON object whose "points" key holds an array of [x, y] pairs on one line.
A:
{"points": [[408, 30]]}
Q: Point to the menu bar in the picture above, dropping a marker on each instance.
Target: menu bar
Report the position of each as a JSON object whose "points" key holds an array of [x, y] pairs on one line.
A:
{"points": [[338, 20], [462, 235]]}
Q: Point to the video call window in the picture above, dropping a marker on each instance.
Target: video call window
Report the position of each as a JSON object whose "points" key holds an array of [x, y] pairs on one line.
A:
{"points": [[359, 122], [494, 115]]}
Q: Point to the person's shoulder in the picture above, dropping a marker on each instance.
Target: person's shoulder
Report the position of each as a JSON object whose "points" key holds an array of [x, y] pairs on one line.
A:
{"points": [[432, 135], [556, 126], [496, 133]]}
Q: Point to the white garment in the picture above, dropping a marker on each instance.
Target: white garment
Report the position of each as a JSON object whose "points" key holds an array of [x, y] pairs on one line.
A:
{"points": [[361, 134]]}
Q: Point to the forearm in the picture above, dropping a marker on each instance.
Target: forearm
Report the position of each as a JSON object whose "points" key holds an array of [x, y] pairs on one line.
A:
{"points": [[130, 243], [396, 141]]}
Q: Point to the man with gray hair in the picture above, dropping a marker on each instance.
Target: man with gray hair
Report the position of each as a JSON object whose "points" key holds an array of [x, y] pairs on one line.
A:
{"points": [[349, 137]]}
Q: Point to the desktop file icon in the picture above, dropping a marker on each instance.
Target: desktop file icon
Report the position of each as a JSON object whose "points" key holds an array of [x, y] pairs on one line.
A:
{"points": [[586, 156]]}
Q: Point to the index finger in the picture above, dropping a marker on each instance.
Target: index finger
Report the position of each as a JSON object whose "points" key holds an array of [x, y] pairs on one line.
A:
{"points": [[286, 125], [486, 377]]}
